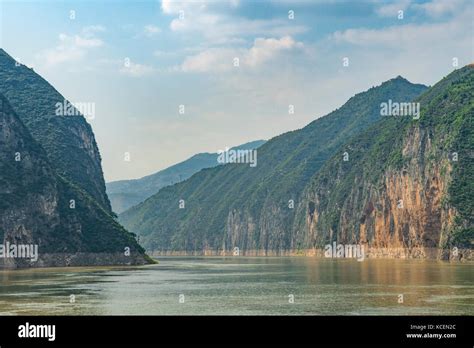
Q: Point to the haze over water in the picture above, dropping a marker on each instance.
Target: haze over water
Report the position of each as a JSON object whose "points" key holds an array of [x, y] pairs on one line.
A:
{"points": [[244, 286]]}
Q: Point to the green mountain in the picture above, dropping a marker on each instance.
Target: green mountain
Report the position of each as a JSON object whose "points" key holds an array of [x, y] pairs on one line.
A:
{"points": [[408, 188], [237, 205], [39, 206], [68, 140], [124, 194]]}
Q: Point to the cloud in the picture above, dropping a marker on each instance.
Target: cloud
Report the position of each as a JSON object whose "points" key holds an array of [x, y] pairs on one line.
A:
{"points": [[72, 48], [421, 52], [216, 22], [136, 70], [222, 59], [434, 8], [405, 36], [265, 49], [175, 6], [213, 59], [92, 30], [391, 10], [438, 8], [151, 30]]}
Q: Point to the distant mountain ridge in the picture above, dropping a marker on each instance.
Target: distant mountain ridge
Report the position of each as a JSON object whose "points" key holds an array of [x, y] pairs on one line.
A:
{"points": [[249, 208], [124, 194]]}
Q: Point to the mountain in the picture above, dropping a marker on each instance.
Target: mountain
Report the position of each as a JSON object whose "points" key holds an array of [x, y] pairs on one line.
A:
{"points": [[237, 205], [39, 206], [68, 140], [124, 194], [408, 188]]}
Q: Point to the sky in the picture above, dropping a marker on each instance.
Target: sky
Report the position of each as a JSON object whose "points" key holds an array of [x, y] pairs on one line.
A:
{"points": [[169, 79]]}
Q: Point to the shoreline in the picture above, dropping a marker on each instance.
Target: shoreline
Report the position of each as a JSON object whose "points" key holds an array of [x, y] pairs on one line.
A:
{"points": [[460, 255], [463, 256]]}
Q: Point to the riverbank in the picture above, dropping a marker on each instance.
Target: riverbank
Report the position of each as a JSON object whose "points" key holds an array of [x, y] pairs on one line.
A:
{"points": [[454, 255]]}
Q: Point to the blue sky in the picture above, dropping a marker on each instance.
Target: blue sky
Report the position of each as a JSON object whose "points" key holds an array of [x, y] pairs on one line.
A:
{"points": [[138, 61]]}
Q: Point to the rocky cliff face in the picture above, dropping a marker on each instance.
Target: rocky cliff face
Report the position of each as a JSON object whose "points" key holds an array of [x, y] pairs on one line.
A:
{"points": [[402, 186], [38, 207], [253, 208], [67, 139], [404, 210], [23, 165], [401, 192]]}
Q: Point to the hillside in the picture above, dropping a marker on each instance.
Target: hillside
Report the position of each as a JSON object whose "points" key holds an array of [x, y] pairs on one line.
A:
{"points": [[236, 205], [40, 207], [408, 188], [124, 194], [68, 140]]}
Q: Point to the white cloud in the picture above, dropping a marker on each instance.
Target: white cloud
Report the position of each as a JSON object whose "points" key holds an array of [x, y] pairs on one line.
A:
{"points": [[215, 22], [218, 29], [265, 49], [222, 59], [213, 59], [91, 30], [405, 36], [175, 6], [151, 30], [82, 42], [420, 52], [165, 53], [391, 10], [434, 8], [136, 70], [72, 48], [438, 8]]}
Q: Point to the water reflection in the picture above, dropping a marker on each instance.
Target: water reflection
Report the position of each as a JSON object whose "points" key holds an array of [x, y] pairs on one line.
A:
{"points": [[244, 285]]}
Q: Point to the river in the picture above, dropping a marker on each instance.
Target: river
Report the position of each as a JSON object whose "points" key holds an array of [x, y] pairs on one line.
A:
{"points": [[244, 286]]}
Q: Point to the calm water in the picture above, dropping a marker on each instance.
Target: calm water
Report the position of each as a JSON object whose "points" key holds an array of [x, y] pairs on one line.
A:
{"points": [[244, 285]]}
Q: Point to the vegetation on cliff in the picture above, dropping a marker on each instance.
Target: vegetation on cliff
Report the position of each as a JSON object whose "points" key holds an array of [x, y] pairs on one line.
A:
{"points": [[68, 140], [236, 205], [64, 212], [408, 183], [124, 194]]}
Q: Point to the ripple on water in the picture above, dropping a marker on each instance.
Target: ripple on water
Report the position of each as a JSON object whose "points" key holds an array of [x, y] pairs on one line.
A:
{"points": [[246, 286]]}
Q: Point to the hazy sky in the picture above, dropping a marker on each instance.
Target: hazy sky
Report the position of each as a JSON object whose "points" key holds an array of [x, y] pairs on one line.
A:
{"points": [[138, 61]]}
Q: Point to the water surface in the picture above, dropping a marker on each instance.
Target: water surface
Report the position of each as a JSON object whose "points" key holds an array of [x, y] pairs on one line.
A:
{"points": [[244, 286]]}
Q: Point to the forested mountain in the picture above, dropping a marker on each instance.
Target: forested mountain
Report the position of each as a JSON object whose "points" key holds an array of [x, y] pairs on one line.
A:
{"points": [[408, 188], [124, 194], [68, 140], [253, 208], [53, 199]]}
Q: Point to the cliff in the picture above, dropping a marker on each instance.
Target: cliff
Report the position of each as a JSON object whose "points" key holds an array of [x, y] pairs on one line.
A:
{"points": [[407, 190], [67, 139], [254, 208], [39, 207]]}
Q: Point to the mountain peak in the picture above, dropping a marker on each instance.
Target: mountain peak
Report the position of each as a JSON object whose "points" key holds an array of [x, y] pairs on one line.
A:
{"points": [[25, 87], [399, 79]]}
